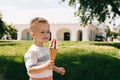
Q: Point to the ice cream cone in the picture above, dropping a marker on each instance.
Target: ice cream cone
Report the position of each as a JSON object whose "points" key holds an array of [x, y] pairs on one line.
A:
{"points": [[53, 49], [53, 53]]}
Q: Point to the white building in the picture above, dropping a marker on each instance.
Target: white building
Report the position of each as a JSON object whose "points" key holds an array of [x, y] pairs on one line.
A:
{"points": [[72, 32], [116, 29]]}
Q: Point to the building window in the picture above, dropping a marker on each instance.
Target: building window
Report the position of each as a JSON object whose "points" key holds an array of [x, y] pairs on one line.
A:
{"points": [[66, 36]]}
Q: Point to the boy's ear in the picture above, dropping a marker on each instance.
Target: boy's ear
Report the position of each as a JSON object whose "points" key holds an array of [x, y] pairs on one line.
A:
{"points": [[32, 34]]}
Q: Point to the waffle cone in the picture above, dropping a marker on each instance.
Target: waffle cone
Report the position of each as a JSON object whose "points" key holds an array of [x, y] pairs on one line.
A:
{"points": [[53, 53]]}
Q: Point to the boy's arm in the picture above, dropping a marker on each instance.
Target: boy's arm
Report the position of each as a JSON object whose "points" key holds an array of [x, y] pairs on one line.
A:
{"points": [[60, 70], [40, 68]]}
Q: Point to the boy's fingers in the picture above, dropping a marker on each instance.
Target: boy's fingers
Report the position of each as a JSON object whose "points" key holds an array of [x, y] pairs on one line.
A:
{"points": [[51, 61], [61, 71]]}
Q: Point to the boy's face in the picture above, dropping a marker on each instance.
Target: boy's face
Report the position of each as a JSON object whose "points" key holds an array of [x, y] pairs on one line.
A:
{"points": [[42, 33]]}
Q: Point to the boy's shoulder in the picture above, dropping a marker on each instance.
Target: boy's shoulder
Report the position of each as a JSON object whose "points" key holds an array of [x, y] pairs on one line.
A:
{"points": [[30, 51]]}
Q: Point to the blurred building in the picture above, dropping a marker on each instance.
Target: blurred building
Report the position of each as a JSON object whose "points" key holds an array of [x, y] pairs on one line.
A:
{"points": [[64, 32]]}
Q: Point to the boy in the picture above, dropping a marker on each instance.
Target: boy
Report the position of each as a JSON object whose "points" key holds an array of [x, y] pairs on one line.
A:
{"points": [[38, 64]]}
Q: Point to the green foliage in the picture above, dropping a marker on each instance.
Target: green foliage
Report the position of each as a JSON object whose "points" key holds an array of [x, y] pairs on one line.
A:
{"points": [[82, 60], [12, 31], [7, 29], [3, 28], [108, 31], [88, 10]]}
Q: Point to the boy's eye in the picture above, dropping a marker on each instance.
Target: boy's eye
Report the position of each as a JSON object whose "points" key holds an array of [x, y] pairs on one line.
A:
{"points": [[45, 32], [42, 32], [48, 32]]}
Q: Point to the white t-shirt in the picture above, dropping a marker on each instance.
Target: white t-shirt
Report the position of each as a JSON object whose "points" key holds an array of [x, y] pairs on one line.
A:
{"points": [[37, 56]]}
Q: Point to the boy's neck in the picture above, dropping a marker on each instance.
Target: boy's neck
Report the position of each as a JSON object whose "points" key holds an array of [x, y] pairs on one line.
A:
{"points": [[39, 44]]}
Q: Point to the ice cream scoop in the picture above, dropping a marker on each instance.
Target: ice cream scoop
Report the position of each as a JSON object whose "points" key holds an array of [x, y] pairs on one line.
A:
{"points": [[53, 44]]}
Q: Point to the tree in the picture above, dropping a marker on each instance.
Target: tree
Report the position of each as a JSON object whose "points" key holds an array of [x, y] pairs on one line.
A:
{"points": [[108, 31], [12, 32], [89, 10], [3, 28], [6, 29]]}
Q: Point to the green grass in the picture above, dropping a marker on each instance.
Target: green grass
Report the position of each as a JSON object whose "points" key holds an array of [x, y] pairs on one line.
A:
{"points": [[82, 60]]}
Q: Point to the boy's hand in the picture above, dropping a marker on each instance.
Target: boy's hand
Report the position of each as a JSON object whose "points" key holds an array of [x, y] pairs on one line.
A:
{"points": [[60, 70], [50, 64]]}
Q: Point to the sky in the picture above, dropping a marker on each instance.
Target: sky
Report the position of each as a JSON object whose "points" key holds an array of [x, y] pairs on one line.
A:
{"points": [[22, 11]]}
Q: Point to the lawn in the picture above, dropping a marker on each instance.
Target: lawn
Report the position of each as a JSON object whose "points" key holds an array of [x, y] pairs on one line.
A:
{"points": [[82, 60]]}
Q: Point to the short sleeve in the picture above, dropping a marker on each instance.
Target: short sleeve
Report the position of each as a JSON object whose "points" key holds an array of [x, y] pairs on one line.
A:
{"points": [[30, 59]]}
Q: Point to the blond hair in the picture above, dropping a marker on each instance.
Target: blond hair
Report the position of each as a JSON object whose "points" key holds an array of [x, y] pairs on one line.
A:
{"points": [[37, 20]]}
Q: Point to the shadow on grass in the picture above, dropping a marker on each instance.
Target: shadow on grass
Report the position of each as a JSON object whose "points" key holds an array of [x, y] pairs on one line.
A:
{"points": [[113, 44], [11, 69], [78, 67], [88, 67]]}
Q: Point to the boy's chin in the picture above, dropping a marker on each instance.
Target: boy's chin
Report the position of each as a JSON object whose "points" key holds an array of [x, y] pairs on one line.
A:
{"points": [[45, 41]]}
